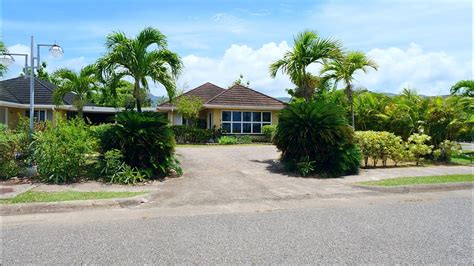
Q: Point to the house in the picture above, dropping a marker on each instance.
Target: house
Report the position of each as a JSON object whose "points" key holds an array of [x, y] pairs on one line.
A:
{"points": [[15, 103], [237, 110]]}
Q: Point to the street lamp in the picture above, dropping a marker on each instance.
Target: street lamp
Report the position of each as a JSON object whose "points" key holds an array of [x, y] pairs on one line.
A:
{"points": [[8, 59]]}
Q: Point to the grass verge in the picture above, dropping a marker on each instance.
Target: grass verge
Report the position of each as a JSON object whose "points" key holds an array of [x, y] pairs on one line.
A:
{"points": [[419, 180], [40, 196]]}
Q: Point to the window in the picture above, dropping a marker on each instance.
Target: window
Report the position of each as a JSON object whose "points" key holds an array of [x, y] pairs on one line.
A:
{"points": [[39, 115], [240, 122]]}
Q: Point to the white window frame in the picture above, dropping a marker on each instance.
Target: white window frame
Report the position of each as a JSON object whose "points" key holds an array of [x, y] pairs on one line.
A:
{"points": [[231, 122]]}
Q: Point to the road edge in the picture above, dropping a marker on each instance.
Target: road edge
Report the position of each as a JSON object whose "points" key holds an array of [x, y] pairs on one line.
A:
{"points": [[418, 188]]}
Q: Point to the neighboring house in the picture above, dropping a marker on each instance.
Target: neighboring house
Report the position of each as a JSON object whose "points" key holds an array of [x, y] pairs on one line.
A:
{"points": [[237, 110], [15, 103]]}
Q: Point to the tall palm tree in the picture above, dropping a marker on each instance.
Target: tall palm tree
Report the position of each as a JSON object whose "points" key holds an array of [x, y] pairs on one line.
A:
{"points": [[308, 48], [142, 58], [344, 70], [82, 85], [463, 88]]}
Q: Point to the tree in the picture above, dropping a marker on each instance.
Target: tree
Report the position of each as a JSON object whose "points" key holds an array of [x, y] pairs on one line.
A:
{"points": [[189, 107], [463, 88], [42, 73], [344, 69], [240, 81], [308, 48], [142, 58], [82, 85], [3, 69]]}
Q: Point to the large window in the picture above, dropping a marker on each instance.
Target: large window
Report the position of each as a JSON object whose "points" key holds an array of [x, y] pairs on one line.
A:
{"points": [[39, 115], [245, 122]]}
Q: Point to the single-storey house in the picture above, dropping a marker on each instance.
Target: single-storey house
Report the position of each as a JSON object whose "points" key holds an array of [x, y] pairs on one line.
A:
{"points": [[15, 103], [237, 110]]}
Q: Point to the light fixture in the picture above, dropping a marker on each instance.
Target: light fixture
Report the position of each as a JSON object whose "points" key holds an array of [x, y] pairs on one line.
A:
{"points": [[6, 59], [56, 50]]}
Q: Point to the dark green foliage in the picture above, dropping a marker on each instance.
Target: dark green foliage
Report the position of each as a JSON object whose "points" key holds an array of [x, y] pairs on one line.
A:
{"points": [[269, 132], [188, 134], [9, 146], [145, 140], [319, 132], [105, 135], [115, 170], [61, 152]]}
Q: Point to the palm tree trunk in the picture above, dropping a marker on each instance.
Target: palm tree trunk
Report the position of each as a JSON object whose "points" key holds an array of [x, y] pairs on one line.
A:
{"points": [[351, 100], [136, 94]]}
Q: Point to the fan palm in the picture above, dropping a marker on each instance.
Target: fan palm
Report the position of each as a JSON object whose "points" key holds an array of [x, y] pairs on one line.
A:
{"points": [[463, 88], [142, 58], [82, 85], [308, 48], [344, 70]]}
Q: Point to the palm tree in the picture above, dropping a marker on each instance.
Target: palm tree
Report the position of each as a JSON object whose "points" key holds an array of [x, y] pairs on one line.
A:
{"points": [[143, 57], [344, 70], [463, 88], [82, 85], [308, 48]]}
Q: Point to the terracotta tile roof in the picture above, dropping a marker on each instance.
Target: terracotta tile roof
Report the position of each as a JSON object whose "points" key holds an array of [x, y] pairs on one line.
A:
{"points": [[239, 95], [206, 92], [17, 90]]}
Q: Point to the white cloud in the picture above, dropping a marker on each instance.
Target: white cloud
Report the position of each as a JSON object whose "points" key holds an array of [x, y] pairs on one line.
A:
{"points": [[236, 60], [431, 73]]}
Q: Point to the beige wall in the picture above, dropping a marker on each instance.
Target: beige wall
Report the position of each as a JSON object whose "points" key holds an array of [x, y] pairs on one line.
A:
{"points": [[15, 114]]}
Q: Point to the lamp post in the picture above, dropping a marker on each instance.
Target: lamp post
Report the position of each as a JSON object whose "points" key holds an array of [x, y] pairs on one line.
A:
{"points": [[7, 59]]}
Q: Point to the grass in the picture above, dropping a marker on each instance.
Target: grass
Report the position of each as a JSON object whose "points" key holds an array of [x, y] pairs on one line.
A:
{"points": [[40, 196], [461, 159], [220, 145], [418, 180]]}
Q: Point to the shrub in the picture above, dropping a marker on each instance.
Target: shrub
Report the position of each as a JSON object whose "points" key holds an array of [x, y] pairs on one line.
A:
{"points": [[9, 148], [446, 150], [305, 167], [380, 145], [244, 139], [146, 142], [104, 133], [258, 138], [187, 134], [61, 152], [115, 170], [269, 131], [417, 146], [319, 132], [227, 140]]}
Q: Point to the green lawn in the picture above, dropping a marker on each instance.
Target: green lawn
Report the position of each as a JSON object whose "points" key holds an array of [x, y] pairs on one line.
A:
{"points": [[461, 159], [39, 196], [418, 180]]}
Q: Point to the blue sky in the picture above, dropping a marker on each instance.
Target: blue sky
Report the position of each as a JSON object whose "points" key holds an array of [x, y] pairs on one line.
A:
{"points": [[425, 45]]}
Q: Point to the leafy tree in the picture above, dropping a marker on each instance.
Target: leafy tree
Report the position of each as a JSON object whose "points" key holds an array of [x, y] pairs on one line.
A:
{"points": [[308, 48], [369, 110], [463, 88], [344, 70], [189, 107], [240, 81], [418, 147], [42, 73], [3, 69], [144, 57], [82, 85]]}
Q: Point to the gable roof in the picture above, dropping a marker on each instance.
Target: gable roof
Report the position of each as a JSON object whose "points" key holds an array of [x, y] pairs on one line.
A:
{"points": [[17, 90], [205, 92], [236, 95]]}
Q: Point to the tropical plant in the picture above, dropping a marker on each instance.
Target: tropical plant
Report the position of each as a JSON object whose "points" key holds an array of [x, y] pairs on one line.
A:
{"points": [[369, 111], [189, 107], [187, 134], [10, 146], [344, 69], [146, 142], [115, 170], [140, 58], [269, 131], [418, 147], [228, 140], [3, 68], [240, 81], [317, 130], [61, 152], [308, 48], [82, 85], [463, 88], [381, 146]]}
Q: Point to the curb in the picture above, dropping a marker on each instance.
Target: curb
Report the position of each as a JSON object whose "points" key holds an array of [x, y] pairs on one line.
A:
{"points": [[419, 188], [76, 205]]}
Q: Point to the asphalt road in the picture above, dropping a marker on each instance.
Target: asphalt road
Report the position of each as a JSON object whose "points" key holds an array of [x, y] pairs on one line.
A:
{"points": [[406, 229]]}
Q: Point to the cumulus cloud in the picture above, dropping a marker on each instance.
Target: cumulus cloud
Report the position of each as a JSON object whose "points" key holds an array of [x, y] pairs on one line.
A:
{"points": [[431, 73]]}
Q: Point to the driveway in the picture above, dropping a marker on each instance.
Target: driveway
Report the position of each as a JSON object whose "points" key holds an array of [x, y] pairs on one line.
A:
{"points": [[229, 174]]}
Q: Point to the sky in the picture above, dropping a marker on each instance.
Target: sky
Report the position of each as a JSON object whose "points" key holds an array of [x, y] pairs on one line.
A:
{"points": [[426, 45]]}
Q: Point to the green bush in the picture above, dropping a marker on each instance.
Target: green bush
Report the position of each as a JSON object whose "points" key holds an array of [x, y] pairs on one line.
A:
{"points": [[104, 133], [258, 139], [9, 148], [446, 150], [228, 140], [61, 152], [146, 142], [417, 146], [115, 170], [244, 139], [319, 132], [381, 145], [188, 134], [269, 131]]}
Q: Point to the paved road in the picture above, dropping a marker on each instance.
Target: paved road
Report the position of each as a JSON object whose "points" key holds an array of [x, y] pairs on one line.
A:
{"points": [[415, 229]]}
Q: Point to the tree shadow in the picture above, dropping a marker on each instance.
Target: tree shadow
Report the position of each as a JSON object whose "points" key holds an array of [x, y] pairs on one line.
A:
{"points": [[276, 167]]}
